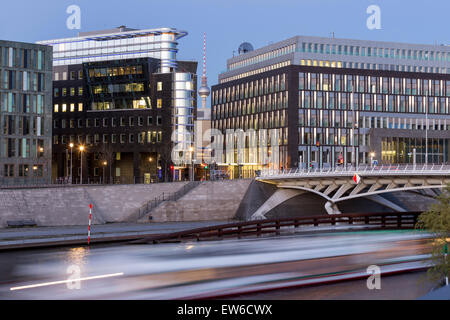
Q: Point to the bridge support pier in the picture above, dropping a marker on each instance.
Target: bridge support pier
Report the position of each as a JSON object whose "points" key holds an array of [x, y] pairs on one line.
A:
{"points": [[332, 208]]}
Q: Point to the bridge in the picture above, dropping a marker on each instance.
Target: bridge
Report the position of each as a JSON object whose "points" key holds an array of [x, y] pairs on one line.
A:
{"points": [[344, 183]]}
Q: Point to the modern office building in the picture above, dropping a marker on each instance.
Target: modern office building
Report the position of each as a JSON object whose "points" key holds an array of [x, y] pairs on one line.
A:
{"points": [[123, 97], [25, 113], [326, 102]]}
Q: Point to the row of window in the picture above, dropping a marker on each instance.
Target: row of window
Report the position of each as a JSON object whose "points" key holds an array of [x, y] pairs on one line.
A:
{"points": [[326, 136], [373, 84], [72, 91], [373, 102], [22, 125], [257, 71], [22, 58], [105, 122], [142, 137], [24, 170], [346, 119], [250, 89], [270, 102], [74, 75], [262, 57], [321, 48], [116, 88], [21, 147], [21, 103], [22, 80], [393, 53], [266, 120], [115, 71], [372, 66]]}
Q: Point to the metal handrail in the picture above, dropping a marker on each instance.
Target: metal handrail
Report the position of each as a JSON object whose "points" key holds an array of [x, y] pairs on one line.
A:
{"points": [[371, 221], [173, 196], [362, 169]]}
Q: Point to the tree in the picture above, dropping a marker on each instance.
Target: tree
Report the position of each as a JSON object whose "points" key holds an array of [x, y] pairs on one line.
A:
{"points": [[437, 221]]}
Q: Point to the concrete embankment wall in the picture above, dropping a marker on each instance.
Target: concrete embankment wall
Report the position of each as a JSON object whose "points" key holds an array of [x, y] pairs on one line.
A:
{"points": [[212, 200], [63, 206]]}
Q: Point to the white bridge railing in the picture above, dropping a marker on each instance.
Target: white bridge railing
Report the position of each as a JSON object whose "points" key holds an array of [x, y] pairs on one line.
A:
{"points": [[392, 169]]}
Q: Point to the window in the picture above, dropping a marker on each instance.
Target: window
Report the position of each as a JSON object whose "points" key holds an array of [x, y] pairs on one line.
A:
{"points": [[64, 107], [72, 91], [80, 91], [73, 75], [140, 121], [159, 86], [159, 103], [56, 92], [64, 92], [72, 107], [149, 121], [122, 121], [56, 108], [8, 170], [158, 120], [80, 107]]}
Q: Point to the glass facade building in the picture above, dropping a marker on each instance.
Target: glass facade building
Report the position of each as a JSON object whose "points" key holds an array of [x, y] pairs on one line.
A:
{"points": [[123, 95], [25, 113], [360, 107]]}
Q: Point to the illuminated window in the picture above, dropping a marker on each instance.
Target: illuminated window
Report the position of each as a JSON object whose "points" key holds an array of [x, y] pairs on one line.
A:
{"points": [[56, 108], [159, 103], [64, 107], [72, 107], [159, 86], [80, 107]]}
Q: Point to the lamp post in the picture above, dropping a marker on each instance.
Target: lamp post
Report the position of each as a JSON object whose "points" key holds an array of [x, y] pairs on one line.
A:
{"points": [[104, 168], [81, 175], [192, 162], [71, 149], [426, 128]]}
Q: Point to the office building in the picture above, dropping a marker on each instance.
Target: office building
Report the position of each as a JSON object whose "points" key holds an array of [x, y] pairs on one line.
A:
{"points": [[331, 102], [122, 96], [25, 113]]}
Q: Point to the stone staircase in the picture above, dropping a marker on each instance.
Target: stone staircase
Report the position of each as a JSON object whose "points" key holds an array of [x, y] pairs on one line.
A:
{"points": [[212, 200]]}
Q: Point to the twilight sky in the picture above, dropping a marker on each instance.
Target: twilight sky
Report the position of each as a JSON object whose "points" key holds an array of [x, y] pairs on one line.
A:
{"points": [[228, 23]]}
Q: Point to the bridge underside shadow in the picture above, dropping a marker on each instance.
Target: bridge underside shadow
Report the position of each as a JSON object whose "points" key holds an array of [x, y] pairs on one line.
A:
{"points": [[263, 201]]}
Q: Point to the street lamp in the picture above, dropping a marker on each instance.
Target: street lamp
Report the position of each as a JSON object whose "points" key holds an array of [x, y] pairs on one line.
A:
{"points": [[104, 167], [191, 149], [71, 149], [81, 175]]}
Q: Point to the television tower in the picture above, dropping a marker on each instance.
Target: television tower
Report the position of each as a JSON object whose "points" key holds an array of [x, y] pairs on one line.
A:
{"points": [[204, 91]]}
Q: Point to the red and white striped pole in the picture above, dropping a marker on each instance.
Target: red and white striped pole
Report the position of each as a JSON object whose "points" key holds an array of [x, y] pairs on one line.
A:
{"points": [[90, 219]]}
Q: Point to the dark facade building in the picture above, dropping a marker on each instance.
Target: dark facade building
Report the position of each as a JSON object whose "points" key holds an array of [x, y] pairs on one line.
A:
{"points": [[123, 111], [25, 113], [325, 113]]}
